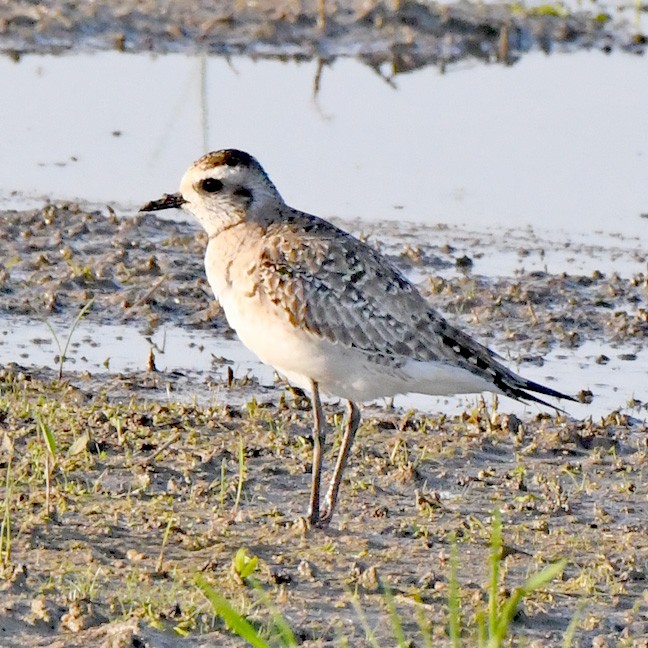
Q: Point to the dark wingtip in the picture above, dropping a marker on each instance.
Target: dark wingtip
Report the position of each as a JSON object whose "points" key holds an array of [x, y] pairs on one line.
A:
{"points": [[168, 201], [522, 393], [547, 391]]}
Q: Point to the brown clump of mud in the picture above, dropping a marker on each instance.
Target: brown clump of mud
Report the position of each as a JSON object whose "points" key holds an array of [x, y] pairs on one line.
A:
{"points": [[136, 269]]}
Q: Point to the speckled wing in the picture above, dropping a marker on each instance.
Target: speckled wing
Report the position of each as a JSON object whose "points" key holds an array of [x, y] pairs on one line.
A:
{"points": [[336, 287]]}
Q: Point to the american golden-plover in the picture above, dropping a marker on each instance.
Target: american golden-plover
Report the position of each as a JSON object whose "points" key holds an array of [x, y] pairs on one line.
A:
{"points": [[324, 309]]}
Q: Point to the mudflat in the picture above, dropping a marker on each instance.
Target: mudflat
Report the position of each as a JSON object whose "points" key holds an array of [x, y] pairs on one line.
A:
{"points": [[118, 488]]}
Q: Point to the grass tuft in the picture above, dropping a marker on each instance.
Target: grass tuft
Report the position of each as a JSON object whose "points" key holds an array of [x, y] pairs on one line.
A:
{"points": [[62, 349], [236, 622], [492, 626], [5, 527]]}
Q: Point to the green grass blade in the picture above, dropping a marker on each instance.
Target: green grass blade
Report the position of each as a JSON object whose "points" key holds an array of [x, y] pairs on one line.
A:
{"points": [[572, 627], [397, 626], [506, 616], [369, 634], [454, 604], [543, 577], [279, 622], [55, 336], [78, 318], [495, 556], [63, 350], [244, 564], [5, 527], [424, 625], [480, 620], [534, 583], [285, 631], [47, 433], [235, 621]]}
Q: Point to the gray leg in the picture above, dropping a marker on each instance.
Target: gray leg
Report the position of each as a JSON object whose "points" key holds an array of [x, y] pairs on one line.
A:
{"points": [[319, 436], [352, 424]]}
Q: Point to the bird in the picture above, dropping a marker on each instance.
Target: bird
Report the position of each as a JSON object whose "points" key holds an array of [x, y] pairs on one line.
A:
{"points": [[326, 310]]}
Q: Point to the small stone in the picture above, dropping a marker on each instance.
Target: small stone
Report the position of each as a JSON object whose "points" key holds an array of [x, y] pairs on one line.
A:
{"points": [[305, 570], [464, 262], [134, 556]]}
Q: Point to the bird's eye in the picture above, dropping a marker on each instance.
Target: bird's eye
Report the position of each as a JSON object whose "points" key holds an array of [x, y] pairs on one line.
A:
{"points": [[211, 185]]}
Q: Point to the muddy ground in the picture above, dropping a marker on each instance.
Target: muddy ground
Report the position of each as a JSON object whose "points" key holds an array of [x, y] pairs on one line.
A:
{"points": [[408, 35], [117, 489], [143, 479]]}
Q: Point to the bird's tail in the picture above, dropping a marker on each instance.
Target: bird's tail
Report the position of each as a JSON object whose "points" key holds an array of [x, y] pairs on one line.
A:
{"points": [[522, 389]]}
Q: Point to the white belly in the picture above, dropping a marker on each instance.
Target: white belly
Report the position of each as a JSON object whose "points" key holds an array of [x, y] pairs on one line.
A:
{"points": [[339, 371], [295, 353], [303, 357]]}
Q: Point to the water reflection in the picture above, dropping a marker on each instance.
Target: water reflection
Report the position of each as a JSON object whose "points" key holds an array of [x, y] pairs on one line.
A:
{"points": [[106, 349], [554, 142]]}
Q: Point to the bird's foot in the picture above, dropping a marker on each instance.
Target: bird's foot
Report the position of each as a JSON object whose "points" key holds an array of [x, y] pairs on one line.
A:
{"points": [[319, 520], [325, 517]]}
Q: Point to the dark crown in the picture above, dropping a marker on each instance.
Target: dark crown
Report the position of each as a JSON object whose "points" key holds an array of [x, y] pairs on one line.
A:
{"points": [[229, 157]]}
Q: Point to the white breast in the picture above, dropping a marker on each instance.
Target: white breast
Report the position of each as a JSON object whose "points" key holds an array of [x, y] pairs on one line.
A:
{"points": [[301, 356]]}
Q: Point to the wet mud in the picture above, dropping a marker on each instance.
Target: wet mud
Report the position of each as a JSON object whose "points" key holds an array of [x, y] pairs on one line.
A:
{"points": [[407, 35], [140, 493], [117, 488]]}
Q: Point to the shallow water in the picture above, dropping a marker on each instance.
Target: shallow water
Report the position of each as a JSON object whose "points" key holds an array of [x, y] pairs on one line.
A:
{"points": [[541, 164], [556, 142], [105, 349]]}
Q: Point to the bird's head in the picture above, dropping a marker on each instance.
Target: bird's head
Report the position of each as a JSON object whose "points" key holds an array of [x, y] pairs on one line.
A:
{"points": [[221, 189]]}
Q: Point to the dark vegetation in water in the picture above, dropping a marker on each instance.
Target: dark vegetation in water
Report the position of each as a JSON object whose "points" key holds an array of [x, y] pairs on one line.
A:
{"points": [[405, 35]]}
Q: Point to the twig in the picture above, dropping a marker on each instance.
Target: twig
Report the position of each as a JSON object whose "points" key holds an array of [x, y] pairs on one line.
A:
{"points": [[165, 540], [143, 299], [145, 461]]}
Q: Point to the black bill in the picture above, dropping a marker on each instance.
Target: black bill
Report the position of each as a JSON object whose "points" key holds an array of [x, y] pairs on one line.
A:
{"points": [[168, 201]]}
